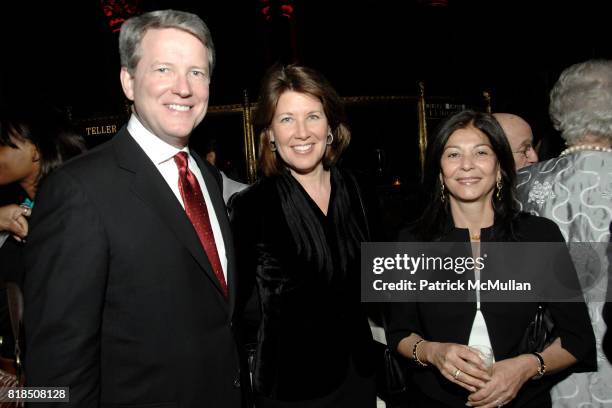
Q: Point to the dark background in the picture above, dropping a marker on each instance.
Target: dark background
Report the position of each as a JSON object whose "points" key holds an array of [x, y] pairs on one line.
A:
{"points": [[66, 53], [66, 50]]}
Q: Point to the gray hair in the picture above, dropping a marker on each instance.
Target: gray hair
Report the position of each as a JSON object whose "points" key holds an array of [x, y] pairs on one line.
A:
{"points": [[134, 29], [581, 101]]}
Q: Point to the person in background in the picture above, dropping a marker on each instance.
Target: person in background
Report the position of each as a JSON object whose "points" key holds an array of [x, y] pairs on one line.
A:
{"points": [[574, 191], [230, 186], [470, 177], [298, 233], [33, 143], [130, 281], [520, 137]]}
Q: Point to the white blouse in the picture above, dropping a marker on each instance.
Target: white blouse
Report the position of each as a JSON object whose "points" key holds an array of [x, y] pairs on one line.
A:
{"points": [[479, 334]]}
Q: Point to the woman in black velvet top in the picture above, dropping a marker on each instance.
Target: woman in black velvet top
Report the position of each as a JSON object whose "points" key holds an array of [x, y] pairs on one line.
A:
{"points": [[471, 179], [298, 232]]}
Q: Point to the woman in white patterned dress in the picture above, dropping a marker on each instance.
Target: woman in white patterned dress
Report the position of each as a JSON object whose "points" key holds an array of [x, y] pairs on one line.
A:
{"points": [[575, 191]]}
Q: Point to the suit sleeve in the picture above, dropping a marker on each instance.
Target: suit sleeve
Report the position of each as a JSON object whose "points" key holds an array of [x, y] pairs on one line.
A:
{"points": [[64, 287]]}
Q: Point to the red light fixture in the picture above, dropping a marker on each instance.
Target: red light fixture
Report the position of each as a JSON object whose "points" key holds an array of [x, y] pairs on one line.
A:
{"points": [[117, 11], [283, 8]]}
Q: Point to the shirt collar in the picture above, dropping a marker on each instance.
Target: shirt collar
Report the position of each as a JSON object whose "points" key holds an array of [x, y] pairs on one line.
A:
{"points": [[155, 148]]}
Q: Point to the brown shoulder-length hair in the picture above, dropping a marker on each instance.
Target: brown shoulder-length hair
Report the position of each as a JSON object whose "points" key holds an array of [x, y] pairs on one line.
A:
{"points": [[280, 79]]}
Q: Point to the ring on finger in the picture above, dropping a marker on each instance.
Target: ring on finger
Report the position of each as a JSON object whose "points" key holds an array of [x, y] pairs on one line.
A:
{"points": [[457, 373], [498, 403]]}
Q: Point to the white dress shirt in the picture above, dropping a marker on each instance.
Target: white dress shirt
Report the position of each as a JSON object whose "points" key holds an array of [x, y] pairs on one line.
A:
{"points": [[231, 187], [162, 155]]}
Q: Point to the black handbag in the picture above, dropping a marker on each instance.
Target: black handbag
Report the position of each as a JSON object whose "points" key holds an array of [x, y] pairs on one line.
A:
{"points": [[390, 378], [391, 385], [540, 333]]}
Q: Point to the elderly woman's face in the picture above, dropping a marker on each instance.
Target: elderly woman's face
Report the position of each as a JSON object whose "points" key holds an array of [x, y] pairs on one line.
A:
{"points": [[18, 164], [469, 166], [299, 129]]}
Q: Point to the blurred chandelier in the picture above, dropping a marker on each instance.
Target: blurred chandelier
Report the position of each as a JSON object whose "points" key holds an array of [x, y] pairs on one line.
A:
{"points": [[117, 11]]}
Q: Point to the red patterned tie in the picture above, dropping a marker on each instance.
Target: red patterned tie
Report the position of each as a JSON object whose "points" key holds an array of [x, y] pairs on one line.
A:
{"points": [[196, 210]]}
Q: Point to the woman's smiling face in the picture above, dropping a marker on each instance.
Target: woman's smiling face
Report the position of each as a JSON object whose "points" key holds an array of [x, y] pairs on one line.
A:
{"points": [[469, 166], [299, 129]]}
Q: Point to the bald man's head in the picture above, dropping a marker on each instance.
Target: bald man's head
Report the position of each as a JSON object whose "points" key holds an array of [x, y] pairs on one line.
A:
{"points": [[520, 138]]}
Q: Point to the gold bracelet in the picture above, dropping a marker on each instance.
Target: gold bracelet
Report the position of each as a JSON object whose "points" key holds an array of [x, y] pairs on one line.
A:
{"points": [[415, 357], [541, 366]]}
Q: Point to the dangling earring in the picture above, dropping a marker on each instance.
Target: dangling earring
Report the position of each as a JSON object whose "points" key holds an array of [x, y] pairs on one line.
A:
{"points": [[499, 186], [272, 145], [442, 195], [330, 138]]}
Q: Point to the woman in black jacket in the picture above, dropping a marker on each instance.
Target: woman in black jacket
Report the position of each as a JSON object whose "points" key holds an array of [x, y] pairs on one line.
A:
{"points": [[298, 233], [33, 143], [471, 177]]}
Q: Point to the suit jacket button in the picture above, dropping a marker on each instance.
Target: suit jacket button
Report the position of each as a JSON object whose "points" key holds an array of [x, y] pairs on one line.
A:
{"points": [[236, 383]]}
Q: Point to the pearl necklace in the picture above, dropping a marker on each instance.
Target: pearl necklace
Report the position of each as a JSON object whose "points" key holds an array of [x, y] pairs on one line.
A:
{"points": [[578, 148]]}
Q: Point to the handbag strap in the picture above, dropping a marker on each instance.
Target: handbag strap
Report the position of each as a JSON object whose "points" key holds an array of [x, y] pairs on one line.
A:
{"points": [[539, 320], [15, 305]]}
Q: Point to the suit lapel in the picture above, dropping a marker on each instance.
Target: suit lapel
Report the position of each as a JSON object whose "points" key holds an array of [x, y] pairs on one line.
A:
{"points": [[216, 197], [152, 189]]}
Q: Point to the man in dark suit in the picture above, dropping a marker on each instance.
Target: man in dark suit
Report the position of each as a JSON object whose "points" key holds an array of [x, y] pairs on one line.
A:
{"points": [[130, 288]]}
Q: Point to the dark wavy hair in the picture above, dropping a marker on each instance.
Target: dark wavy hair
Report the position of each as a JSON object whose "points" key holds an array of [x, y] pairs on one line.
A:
{"points": [[46, 128], [437, 215]]}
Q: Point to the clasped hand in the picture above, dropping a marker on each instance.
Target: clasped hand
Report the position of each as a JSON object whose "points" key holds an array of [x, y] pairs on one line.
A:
{"points": [[460, 365], [507, 378], [13, 219]]}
